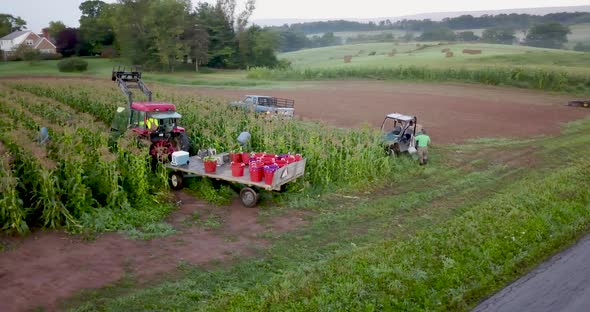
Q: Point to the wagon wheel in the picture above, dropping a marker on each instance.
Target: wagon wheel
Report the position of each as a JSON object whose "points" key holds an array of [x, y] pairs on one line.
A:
{"points": [[249, 197], [176, 180]]}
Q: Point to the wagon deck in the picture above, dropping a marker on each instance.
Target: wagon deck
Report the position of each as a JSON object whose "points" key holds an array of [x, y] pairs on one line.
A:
{"points": [[196, 168]]}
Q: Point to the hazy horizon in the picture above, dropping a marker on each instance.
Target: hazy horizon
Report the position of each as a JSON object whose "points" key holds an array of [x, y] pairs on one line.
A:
{"points": [[68, 12]]}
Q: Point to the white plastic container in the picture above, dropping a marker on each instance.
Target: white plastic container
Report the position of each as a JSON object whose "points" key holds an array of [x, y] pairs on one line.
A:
{"points": [[179, 158]]}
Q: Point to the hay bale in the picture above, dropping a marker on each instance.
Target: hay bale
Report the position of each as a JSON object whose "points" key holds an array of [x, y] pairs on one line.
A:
{"points": [[445, 50], [450, 54], [471, 51], [347, 58]]}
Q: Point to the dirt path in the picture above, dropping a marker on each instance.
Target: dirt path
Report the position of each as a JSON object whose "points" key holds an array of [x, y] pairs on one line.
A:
{"points": [[452, 113], [46, 268]]}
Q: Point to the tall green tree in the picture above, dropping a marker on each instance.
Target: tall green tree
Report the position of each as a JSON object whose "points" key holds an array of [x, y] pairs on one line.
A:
{"points": [[498, 35], [438, 33], [131, 30], [96, 25], [9, 24], [222, 37], [467, 36], [165, 25], [263, 44], [196, 39], [548, 35], [55, 27]]}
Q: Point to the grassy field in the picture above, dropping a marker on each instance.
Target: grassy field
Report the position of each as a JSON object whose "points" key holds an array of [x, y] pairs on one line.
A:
{"points": [[579, 33], [438, 238], [101, 68], [409, 54]]}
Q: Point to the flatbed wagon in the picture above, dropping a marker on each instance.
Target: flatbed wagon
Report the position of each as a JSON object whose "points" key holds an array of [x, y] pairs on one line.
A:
{"points": [[249, 193]]}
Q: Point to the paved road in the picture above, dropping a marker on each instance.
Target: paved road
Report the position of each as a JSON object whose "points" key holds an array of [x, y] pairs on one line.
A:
{"points": [[560, 284]]}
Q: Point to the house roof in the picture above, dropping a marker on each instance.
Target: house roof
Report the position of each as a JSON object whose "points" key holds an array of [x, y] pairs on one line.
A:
{"points": [[14, 35], [38, 43]]}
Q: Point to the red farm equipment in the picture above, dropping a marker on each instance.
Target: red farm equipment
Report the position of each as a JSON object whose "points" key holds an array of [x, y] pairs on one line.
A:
{"points": [[153, 123]]}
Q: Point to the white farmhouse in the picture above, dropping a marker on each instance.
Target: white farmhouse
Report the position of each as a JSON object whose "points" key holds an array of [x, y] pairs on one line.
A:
{"points": [[11, 42]]}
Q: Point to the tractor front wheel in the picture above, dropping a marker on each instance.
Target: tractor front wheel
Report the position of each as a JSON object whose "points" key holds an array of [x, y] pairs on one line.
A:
{"points": [[162, 151]]}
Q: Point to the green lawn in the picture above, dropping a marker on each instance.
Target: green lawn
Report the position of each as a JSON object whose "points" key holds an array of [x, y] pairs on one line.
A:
{"points": [[101, 68]]}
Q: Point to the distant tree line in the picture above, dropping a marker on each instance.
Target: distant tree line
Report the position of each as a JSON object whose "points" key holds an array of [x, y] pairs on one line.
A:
{"points": [[517, 21], [159, 34], [548, 31]]}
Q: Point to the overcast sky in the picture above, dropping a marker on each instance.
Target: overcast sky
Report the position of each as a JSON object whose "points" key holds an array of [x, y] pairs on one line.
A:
{"points": [[38, 13]]}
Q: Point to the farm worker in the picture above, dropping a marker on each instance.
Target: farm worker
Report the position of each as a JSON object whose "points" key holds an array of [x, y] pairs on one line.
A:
{"points": [[244, 139], [152, 123], [422, 141]]}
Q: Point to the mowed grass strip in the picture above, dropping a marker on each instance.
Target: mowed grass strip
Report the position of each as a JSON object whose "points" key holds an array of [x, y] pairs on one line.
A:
{"points": [[445, 268]]}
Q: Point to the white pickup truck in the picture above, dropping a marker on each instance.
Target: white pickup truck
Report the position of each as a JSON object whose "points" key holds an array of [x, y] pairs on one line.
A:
{"points": [[267, 105]]}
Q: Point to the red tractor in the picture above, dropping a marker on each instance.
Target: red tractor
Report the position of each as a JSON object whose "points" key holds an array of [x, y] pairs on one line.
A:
{"points": [[153, 122]]}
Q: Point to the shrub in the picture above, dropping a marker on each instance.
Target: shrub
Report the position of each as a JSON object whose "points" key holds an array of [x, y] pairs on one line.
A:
{"points": [[27, 53], [372, 53], [72, 65]]}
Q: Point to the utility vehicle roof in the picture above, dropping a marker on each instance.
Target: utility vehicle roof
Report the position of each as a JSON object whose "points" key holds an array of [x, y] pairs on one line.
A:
{"points": [[401, 117]]}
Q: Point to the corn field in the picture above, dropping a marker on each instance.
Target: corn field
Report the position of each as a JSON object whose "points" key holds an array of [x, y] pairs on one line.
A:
{"points": [[72, 181], [77, 182], [507, 76]]}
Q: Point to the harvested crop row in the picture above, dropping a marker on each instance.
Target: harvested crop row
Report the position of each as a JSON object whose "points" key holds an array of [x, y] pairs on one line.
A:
{"points": [[51, 110]]}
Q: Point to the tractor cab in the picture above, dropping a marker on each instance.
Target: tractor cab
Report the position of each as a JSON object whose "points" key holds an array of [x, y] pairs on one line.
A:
{"points": [[160, 119], [399, 133]]}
